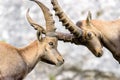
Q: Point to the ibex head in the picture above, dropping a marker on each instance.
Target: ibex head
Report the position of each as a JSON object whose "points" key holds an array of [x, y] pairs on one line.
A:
{"points": [[91, 37], [49, 42], [84, 32]]}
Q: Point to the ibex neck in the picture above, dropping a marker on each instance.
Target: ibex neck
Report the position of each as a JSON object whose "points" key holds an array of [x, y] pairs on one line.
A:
{"points": [[30, 54]]}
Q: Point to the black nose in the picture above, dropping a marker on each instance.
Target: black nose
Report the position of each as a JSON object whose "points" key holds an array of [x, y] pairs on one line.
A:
{"points": [[100, 54]]}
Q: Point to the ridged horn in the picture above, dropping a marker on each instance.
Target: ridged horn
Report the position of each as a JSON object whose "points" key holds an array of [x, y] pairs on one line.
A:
{"points": [[48, 17], [66, 20]]}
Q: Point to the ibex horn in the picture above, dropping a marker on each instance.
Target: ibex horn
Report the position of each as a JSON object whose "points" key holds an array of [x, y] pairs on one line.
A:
{"points": [[48, 17], [65, 20]]}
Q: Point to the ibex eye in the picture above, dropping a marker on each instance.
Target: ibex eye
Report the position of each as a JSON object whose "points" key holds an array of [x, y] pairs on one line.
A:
{"points": [[51, 43], [89, 34]]}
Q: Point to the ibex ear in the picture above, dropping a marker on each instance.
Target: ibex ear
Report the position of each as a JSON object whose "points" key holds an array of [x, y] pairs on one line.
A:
{"points": [[39, 35], [89, 17]]}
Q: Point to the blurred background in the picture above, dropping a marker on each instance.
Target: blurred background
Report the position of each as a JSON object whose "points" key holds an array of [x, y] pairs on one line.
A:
{"points": [[80, 63]]}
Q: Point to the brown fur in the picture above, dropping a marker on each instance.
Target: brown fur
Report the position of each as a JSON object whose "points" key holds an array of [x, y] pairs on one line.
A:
{"points": [[16, 63], [107, 33], [94, 34]]}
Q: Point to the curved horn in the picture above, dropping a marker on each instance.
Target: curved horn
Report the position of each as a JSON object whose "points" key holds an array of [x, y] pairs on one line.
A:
{"points": [[65, 20], [48, 17], [34, 24]]}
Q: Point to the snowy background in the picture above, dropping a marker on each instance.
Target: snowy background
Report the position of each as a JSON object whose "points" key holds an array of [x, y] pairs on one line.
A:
{"points": [[80, 63]]}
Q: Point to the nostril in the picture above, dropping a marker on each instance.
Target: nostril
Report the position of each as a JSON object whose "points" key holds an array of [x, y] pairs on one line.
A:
{"points": [[100, 53]]}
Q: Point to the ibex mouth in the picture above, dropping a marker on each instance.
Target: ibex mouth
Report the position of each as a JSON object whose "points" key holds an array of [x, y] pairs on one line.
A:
{"points": [[48, 61], [59, 63]]}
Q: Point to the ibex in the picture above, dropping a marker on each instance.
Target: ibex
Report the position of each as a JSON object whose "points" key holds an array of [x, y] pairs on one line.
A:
{"points": [[16, 63], [94, 34]]}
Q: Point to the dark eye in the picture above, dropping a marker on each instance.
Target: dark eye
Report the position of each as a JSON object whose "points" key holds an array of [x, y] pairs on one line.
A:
{"points": [[89, 34], [51, 43]]}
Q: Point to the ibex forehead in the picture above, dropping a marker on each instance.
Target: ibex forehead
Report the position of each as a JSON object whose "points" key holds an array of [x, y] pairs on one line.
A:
{"points": [[51, 34], [51, 39]]}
